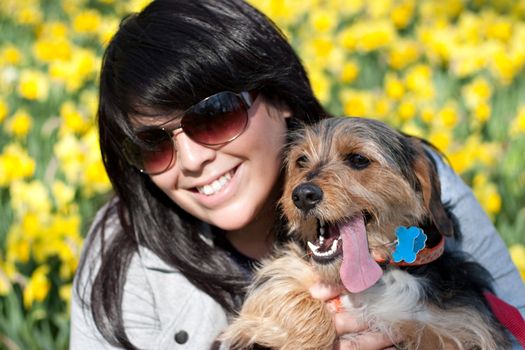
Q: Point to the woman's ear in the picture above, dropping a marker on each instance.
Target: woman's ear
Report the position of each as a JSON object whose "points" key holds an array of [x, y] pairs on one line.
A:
{"points": [[285, 110], [277, 108]]}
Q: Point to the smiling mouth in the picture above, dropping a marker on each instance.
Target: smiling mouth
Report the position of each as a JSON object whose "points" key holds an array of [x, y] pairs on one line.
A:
{"points": [[216, 185]]}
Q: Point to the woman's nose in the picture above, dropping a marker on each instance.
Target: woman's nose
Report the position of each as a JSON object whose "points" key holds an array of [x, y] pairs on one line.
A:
{"points": [[192, 156]]}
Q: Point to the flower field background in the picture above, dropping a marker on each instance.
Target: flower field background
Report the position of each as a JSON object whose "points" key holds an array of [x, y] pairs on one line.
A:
{"points": [[449, 71]]}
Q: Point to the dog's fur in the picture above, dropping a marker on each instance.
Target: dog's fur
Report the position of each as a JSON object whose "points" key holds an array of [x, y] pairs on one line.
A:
{"points": [[363, 167]]}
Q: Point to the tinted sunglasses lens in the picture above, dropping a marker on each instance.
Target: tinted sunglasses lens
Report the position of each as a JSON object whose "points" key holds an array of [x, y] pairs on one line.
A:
{"points": [[157, 153], [216, 120]]}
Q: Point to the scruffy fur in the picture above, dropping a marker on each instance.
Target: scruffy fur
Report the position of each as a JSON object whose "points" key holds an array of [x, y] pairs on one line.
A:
{"points": [[393, 182]]}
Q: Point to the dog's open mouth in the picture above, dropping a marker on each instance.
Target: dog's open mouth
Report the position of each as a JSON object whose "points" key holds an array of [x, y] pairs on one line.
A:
{"points": [[328, 245], [348, 239]]}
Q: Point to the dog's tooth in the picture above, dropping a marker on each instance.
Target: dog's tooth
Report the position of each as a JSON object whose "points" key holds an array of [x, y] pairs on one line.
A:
{"points": [[321, 239], [329, 252], [312, 247], [334, 246]]}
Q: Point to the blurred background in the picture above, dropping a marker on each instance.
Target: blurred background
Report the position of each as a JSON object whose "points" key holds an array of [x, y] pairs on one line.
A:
{"points": [[450, 71]]}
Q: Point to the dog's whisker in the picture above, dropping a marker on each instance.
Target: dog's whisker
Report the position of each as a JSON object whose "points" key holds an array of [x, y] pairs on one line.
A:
{"points": [[387, 245]]}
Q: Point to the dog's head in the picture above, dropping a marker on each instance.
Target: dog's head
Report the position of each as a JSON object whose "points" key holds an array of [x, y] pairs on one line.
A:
{"points": [[350, 176]]}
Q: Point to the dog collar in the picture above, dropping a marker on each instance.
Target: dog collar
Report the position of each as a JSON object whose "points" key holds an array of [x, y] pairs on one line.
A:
{"points": [[410, 248], [424, 256]]}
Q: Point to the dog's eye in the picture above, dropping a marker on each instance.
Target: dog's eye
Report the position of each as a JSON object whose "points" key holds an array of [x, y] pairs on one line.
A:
{"points": [[357, 161], [301, 161]]}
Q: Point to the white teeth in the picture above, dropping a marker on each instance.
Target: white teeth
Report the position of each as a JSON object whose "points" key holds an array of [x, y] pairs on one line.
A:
{"points": [[207, 190], [216, 185], [334, 245], [331, 251], [321, 232], [312, 246]]}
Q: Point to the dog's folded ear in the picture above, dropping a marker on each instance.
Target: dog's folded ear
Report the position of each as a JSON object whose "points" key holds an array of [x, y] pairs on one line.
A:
{"points": [[428, 179]]}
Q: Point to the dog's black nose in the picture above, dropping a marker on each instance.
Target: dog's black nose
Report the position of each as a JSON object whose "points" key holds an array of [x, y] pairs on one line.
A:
{"points": [[306, 196]]}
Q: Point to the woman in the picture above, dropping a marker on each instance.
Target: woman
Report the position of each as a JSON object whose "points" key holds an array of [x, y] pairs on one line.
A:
{"points": [[197, 99]]}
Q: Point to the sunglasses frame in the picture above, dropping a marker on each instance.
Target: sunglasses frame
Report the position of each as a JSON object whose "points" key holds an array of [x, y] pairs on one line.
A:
{"points": [[247, 98]]}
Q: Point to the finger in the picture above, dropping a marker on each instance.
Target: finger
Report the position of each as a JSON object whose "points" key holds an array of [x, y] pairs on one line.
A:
{"points": [[365, 341], [345, 323], [324, 291]]}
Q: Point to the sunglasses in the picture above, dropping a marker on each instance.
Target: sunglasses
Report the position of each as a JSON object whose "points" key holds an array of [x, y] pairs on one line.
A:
{"points": [[214, 121]]}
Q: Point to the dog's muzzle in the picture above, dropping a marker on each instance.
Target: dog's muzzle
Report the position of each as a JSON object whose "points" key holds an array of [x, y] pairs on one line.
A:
{"points": [[306, 196]]}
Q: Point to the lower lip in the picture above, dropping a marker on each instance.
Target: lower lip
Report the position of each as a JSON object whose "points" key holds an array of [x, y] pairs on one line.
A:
{"points": [[224, 194]]}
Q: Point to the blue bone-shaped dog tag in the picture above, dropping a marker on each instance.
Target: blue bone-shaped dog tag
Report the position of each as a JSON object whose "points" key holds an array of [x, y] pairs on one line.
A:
{"points": [[410, 241]]}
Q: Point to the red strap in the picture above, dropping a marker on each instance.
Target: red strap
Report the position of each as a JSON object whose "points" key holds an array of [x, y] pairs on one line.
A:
{"points": [[508, 316]]}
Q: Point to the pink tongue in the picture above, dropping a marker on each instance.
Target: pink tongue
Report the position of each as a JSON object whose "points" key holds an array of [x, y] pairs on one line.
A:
{"points": [[359, 271]]}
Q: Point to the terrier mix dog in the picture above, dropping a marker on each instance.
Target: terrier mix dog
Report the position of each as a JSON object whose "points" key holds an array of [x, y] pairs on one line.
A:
{"points": [[365, 201]]}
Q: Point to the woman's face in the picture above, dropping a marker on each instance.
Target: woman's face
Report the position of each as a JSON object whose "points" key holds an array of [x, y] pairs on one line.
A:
{"points": [[228, 185]]}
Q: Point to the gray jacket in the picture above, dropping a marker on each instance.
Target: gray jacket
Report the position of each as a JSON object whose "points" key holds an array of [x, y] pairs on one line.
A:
{"points": [[162, 310]]}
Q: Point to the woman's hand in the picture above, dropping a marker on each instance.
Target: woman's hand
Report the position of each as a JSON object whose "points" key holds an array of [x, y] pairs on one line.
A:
{"points": [[345, 323]]}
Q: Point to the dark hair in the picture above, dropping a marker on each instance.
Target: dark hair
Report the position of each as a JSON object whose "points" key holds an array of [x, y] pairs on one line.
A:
{"points": [[171, 55]]}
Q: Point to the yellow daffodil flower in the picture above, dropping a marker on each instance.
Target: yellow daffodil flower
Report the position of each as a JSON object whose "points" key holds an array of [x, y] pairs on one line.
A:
{"points": [[4, 109], [37, 287], [15, 164], [19, 124], [33, 85], [87, 22]]}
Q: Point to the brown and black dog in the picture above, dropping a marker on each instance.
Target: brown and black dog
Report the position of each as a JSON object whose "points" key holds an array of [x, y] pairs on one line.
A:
{"points": [[364, 202]]}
